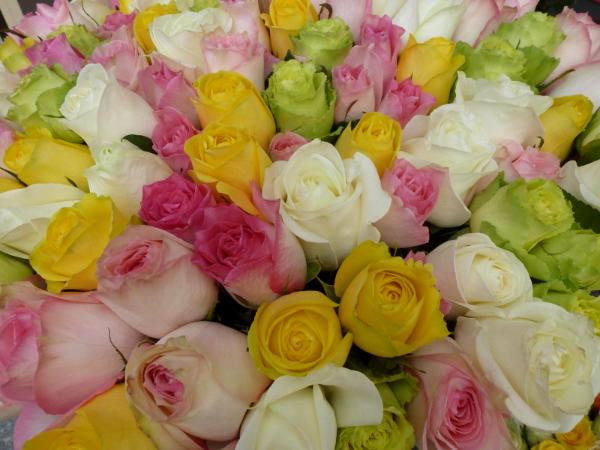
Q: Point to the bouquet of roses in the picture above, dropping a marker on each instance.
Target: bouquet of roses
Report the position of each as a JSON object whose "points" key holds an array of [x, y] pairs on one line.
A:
{"points": [[296, 225]]}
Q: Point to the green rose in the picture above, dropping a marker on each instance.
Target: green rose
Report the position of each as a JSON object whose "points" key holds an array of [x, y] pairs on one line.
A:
{"points": [[493, 57], [301, 99], [80, 38], [521, 214], [534, 29], [326, 42], [588, 142], [12, 56], [37, 100], [13, 269]]}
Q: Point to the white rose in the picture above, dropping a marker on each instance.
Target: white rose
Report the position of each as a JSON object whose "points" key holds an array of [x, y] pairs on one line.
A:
{"points": [[90, 13], [121, 172], [479, 278], [140, 5], [582, 182], [178, 37], [423, 19], [545, 360], [25, 215], [453, 138], [300, 413], [100, 110], [330, 204]]}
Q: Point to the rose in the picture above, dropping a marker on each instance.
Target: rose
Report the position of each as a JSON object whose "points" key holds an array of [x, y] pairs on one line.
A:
{"points": [[424, 20], [376, 136], [230, 99], [246, 19], [284, 145], [106, 420], [114, 22], [8, 83], [588, 142], [556, 350], [151, 264], [13, 59], [26, 213], [353, 13], [325, 42], [579, 438], [169, 136], [55, 51], [198, 380], [479, 278], [567, 117], [235, 52], [89, 108], [521, 214], [176, 205], [33, 158], [71, 263], [145, 18], [45, 19], [454, 408], [319, 191], [390, 305], [13, 269], [405, 100], [302, 100], [229, 159], [386, 38], [285, 19], [122, 59], [358, 88], [549, 445], [308, 410], [435, 78], [533, 29], [578, 83], [414, 195], [528, 163], [121, 172], [297, 334], [254, 260], [80, 38], [582, 182], [90, 13]]}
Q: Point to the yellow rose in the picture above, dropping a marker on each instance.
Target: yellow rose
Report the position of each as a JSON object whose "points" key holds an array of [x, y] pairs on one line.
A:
{"points": [[432, 65], [579, 438], [285, 19], [391, 306], [549, 445], [567, 117], [7, 184], [105, 422], [75, 239], [143, 20], [376, 135], [39, 158], [231, 99], [296, 334], [230, 159]]}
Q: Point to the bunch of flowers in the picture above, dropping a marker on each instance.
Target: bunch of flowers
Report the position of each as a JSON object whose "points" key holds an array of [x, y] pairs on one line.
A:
{"points": [[293, 225]]}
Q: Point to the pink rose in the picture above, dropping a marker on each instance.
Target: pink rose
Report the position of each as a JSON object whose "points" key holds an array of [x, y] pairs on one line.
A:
{"points": [[386, 39], [356, 92], [583, 80], [405, 100], [147, 278], [283, 145], [246, 19], [161, 87], [353, 12], [454, 408], [121, 58], [45, 19], [168, 137], [56, 51], [526, 163], [414, 194], [582, 42], [253, 259], [176, 205], [237, 53], [115, 21], [195, 384]]}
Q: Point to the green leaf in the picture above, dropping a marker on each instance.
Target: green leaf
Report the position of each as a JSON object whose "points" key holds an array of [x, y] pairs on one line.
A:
{"points": [[142, 142], [329, 290], [587, 217], [312, 270]]}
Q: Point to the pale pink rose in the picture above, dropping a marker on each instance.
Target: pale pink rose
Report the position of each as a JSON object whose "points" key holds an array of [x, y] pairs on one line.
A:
{"points": [[56, 51], [235, 52], [162, 87], [582, 42], [45, 19], [386, 39], [254, 260], [355, 92], [31, 421], [414, 194], [283, 145], [197, 381], [583, 80], [405, 100], [146, 277], [122, 59], [352, 12], [246, 19], [69, 372], [115, 21], [526, 163], [7, 136], [169, 136], [454, 409]]}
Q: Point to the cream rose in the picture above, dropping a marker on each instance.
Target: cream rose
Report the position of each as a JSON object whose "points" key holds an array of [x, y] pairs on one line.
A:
{"points": [[299, 413], [582, 182], [545, 360], [478, 277], [328, 202]]}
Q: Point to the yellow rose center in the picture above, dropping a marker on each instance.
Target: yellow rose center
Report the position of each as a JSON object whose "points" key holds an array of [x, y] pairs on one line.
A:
{"points": [[289, 14], [299, 338], [66, 221], [396, 293]]}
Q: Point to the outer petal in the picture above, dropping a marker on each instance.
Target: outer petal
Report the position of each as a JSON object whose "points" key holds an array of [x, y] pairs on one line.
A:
{"points": [[582, 81], [31, 421]]}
